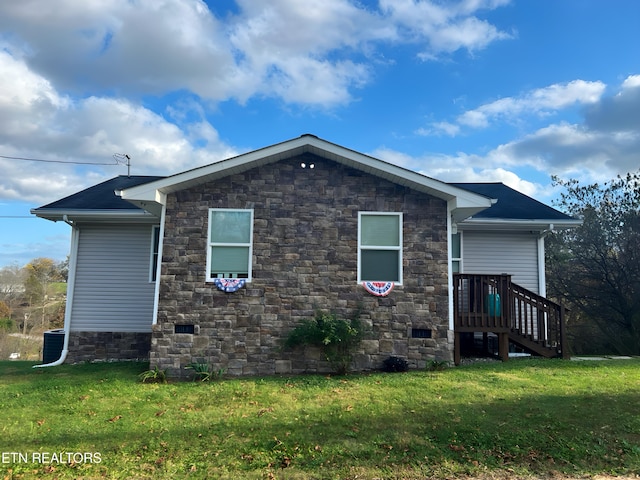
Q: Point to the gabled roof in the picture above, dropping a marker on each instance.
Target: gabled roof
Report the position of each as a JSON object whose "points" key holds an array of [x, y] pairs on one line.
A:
{"points": [[98, 201], [151, 196], [514, 208], [474, 205]]}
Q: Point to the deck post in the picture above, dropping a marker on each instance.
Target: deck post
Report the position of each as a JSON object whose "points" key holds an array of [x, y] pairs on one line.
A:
{"points": [[456, 348], [503, 346]]}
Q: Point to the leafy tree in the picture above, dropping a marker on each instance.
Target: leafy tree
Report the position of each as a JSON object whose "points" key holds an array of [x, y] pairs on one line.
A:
{"points": [[596, 267], [41, 272], [11, 285], [5, 311]]}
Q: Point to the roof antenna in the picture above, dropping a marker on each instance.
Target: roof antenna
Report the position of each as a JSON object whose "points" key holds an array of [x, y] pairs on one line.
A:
{"points": [[123, 159]]}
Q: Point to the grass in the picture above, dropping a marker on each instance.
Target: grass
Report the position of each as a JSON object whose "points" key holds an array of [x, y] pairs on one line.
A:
{"points": [[520, 418]]}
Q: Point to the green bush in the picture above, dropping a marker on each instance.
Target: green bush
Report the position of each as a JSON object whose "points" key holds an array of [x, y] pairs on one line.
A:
{"points": [[395, 364], [337, 338], [6, 324]]}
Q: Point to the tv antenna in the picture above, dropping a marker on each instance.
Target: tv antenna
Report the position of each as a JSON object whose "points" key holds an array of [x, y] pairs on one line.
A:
{"points": [[123, 159]]}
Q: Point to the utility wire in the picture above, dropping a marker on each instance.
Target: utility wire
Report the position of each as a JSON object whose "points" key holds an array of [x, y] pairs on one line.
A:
{"points": [[54, 161]]}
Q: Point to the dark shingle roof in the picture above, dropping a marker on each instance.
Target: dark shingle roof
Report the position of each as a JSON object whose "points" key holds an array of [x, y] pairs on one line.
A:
{"points": [[511, 203], [101, 196]]}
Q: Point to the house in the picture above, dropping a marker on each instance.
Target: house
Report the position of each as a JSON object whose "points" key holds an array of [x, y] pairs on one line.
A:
{"points": [[217, 264]]}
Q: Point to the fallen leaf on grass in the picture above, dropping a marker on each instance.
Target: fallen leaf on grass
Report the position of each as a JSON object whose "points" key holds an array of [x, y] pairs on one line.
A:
{"points": [[115, 419]]}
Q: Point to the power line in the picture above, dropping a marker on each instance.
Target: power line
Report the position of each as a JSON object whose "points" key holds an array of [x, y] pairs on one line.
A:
{"points": [[55, 161]]}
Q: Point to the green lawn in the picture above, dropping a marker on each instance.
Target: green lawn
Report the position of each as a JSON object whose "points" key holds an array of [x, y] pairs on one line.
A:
{"points": [[524, 417]]}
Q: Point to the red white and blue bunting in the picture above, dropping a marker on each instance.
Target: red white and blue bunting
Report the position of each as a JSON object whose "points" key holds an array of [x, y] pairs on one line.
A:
{"points": [[229, 285], [379, 289]]}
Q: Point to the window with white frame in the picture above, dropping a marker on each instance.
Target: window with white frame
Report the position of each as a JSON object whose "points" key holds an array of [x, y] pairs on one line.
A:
{"points": [[230, 244], [456, 252], [155, 252], [380, 247]]}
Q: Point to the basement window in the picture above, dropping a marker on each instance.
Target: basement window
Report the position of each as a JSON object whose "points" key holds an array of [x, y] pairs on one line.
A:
{"points": [[185, 329], [420, 333]]}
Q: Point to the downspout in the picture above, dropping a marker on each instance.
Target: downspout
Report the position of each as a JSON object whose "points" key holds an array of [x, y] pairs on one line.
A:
{"points": [[542, 276], [450, 231], [70, 290], [156, 299]]}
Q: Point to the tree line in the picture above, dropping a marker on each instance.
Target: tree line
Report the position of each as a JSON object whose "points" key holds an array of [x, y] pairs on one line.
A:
{"points": [[595, 268], [33, 295]]}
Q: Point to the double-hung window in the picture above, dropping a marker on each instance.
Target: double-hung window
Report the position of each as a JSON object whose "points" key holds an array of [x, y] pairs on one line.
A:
{"points": [[380, 247], [230, 244]]}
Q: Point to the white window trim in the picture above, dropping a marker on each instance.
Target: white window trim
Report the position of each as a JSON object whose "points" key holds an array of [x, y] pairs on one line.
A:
{"points": [[210, 244], [399, 248]]}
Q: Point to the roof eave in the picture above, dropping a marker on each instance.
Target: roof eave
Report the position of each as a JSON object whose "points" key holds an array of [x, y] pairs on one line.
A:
{"points": [[155, 192], [109, 216], [533, 225]]}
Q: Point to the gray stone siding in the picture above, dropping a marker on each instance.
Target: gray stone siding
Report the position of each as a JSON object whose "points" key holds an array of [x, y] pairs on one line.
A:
{"points": [[304, 258], [108, 346]]}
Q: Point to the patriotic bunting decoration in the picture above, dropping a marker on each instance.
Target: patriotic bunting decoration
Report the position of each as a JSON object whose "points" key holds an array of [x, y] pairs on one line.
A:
{"points": [[229, 285], [379, 289]]}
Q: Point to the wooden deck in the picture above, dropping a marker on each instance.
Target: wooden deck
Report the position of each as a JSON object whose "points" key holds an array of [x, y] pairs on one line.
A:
{"points": [[493, 304]]}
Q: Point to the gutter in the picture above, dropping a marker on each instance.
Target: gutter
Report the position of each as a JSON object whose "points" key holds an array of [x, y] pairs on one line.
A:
{"points": [[70, 290]]}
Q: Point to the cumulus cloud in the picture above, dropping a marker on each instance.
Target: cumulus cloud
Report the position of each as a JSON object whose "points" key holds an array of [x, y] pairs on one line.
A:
{"points": [[458, 168], [604, 144], [38, 122], [73, 74], [293, 50], [444, 28], [540, 101]]}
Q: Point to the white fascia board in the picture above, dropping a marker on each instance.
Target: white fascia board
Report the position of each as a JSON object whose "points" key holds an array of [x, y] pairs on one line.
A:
{"points": [[156, 191], [535, 225], [111, 216]]}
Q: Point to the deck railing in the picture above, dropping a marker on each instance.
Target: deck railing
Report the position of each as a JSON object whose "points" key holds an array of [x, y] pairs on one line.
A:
{"points": [[492, 303]]}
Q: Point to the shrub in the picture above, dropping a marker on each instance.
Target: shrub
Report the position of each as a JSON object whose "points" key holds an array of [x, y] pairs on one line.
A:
{"points": [[154, 375], [336, 338], [203, 372], [6, 324], [395, 364], [436, 365]]}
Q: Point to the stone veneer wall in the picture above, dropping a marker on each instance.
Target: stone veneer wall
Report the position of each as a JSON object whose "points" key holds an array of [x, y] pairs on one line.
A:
{"points": [[108, 346], [305, 257]]}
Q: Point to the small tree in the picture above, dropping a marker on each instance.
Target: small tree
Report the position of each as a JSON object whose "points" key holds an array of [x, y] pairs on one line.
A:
{"points": [[596, 267], [11, 285], [41, 272], [336, 338]]}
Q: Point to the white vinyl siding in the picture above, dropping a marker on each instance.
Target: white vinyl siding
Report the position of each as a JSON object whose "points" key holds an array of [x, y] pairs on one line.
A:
{"points": [[502, 252], [112, 289]]}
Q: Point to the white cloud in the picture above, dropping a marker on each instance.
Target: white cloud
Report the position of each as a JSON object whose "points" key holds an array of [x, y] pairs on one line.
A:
{"points": [[36, 121], [605, 144], [540, 101], [444, 28], [284, 48], [459, 168]]}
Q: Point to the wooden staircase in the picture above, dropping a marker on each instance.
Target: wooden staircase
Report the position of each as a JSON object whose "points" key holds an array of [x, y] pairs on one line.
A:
{"points": [[493, 304]]}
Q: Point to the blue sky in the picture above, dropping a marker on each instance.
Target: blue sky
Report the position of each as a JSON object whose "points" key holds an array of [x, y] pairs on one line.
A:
{"points": [[467, 90]]}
